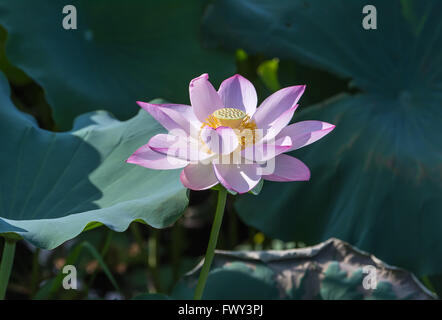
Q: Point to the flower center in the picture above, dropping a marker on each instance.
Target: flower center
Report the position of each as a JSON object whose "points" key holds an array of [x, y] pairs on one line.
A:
{"points": [[226, 117], [236, 119], [229, 117]]}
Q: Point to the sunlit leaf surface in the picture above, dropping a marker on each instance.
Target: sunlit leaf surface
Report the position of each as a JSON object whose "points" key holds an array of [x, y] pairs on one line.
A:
{"points": [[54, 184]]}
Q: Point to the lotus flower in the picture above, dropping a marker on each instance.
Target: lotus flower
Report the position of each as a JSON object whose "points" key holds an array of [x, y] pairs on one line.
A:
{"points": [[224, 138]]}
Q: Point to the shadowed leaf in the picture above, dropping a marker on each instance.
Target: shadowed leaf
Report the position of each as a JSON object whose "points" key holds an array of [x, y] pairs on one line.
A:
{"points": [[53, 185]]}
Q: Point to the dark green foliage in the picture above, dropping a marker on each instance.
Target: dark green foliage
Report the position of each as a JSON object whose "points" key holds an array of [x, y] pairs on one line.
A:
{"points": [[376, 180], [121, 52], [332, 270]]}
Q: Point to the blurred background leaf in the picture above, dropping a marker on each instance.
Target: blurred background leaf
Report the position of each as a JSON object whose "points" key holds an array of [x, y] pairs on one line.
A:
{"points": [[376, 180], [330, 36], [14, 74], [51, 286], [121, 52]]}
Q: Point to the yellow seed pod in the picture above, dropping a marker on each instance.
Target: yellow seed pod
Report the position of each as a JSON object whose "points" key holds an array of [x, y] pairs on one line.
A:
{"points": [[229, 117]]}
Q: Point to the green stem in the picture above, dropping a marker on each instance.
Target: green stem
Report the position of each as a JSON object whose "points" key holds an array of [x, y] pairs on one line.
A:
{"points": [[176, 247], [152, 259], [222, 195], [35, 274], [6, 265]]}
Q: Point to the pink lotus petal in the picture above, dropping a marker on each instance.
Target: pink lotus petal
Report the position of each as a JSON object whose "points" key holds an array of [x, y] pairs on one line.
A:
{"points": [[288, 168], [262, 152], [148, 158], [276, 104], [174, 117], [304, 133], [240, 178], [278, 124], [264, 159], [198, 177], [203, 97], [177, 146], [238, 92], [221, 140]]}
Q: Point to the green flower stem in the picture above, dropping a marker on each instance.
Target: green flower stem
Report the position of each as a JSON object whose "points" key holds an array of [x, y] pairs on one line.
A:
{"points": [[222, 196], [6, 265], [152, 259], [35, 273]]}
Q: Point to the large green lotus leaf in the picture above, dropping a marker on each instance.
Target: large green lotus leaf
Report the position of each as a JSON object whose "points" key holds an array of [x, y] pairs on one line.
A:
{"points": [[403, 53], [52, 185], [332, 270], [121, 51], [377, 178], [376, 182], [15, 75]]}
